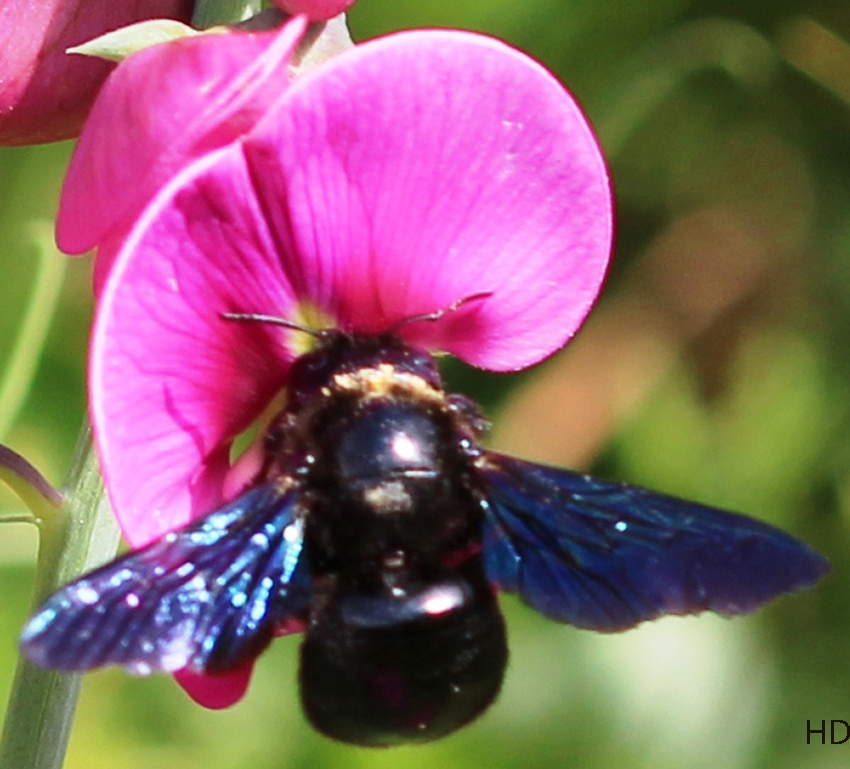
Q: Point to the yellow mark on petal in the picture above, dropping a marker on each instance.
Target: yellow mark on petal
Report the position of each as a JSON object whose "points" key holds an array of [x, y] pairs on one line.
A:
{"points": [[310, 316]]}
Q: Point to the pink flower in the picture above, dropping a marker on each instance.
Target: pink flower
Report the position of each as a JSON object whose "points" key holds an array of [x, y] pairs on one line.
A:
{"points": [[317, 10], [44, 92], [161, 108], [400, 177]]}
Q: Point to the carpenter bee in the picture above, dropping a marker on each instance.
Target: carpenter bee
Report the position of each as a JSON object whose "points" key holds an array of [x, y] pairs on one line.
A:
{"points": [[380, 523]]}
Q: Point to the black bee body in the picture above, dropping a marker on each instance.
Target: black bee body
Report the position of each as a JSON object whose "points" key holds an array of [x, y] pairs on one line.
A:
{"points": [[379, 524], [405, 640], [385, 468]]}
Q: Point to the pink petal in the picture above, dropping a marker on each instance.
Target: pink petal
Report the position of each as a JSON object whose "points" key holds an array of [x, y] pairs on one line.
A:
{"points": [[223, 690], [161, 108], [45, 93], [171, 382], [318, 10], [371, 222], [426, 167], [216, 691]]}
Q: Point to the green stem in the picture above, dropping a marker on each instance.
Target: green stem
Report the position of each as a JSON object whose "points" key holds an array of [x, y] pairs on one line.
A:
{"points": [[73, 539], [29, 484]]}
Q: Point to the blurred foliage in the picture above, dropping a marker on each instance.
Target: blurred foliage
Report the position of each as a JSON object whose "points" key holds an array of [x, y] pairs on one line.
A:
{"points": [[716, 366]]}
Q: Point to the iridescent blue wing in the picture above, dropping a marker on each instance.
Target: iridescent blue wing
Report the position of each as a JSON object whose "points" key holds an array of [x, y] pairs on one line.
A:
{"points": [[207, 596], [606, 556]]}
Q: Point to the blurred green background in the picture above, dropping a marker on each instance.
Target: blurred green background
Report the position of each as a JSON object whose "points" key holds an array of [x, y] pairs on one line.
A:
{"points": [[716, 366]]}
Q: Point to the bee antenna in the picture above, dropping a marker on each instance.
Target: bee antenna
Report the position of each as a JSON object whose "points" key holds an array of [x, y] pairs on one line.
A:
{"points": [[438, 314], [253, 317]]}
